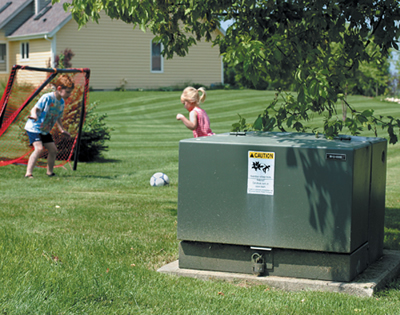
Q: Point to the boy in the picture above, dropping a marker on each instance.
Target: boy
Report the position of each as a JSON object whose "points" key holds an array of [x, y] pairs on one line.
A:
{"points": [[45, 114]]}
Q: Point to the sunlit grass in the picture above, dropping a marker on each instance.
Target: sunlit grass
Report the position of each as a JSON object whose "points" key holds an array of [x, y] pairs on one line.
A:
{"points": [[90, 241]]}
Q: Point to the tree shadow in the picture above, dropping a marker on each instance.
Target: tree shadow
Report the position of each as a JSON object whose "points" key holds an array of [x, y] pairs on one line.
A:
{"points": [[102, 161], [392, 229], [172, 210], [342, 182]]}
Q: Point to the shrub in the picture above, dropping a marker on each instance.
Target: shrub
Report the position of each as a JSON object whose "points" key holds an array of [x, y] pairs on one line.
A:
{"points": [[64, 59], [2, 88], [94, 135]]}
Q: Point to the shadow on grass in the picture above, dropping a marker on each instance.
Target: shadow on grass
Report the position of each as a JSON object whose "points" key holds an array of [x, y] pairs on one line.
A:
{"points": [[94, 176], [101, 161], [392, 229], [173, 211]]}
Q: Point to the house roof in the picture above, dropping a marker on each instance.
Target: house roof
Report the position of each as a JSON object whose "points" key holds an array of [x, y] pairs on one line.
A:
{"points": [[9, 9], [46, 23]]}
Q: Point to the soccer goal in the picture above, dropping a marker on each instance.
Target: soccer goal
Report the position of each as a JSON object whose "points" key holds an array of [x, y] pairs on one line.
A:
{"points": [[24, 88]]}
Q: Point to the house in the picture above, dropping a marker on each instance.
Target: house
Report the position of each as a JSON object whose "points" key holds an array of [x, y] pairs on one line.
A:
{"points": [[33, 32]]}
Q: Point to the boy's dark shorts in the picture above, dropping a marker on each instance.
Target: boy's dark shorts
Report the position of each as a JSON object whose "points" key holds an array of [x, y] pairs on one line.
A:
{"points": [[33, 137]]}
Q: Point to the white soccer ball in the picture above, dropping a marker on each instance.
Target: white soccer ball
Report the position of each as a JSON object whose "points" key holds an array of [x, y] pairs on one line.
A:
{"points": [[159, 179]]}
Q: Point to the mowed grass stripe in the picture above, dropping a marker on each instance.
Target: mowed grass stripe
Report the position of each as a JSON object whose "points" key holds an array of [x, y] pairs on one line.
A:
{"points": [[159, 109], [162, 108], [214, 100]]}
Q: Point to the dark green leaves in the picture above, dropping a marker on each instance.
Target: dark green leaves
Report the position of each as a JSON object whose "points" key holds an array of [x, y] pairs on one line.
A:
{"points": [[319, 48]]}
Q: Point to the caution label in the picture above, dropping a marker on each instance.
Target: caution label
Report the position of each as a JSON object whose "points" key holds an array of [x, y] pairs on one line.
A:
{"points": [[261, 170], [261, 155]]}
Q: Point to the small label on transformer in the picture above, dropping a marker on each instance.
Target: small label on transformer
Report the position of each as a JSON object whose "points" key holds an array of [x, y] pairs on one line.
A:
{"points": [[336, 156], [261, 170]]}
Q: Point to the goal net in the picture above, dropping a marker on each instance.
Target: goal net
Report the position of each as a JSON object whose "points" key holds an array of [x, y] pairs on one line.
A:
{"points": [[24, 88]]}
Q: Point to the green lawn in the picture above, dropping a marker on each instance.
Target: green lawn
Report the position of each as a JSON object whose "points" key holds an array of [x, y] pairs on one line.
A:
{"points": [[90, 241]]}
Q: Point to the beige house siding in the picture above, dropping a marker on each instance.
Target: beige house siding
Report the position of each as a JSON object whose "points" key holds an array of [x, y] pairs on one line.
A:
{"points": [[125, 57], [12, 47], [4, 67], [39, 54]]}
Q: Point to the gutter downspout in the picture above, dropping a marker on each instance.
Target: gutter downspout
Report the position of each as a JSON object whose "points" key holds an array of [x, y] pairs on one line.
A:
{"points": [[53, 49], [222, 71]]}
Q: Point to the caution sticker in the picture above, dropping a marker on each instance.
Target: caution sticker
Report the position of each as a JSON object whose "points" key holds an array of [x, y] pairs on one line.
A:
{"points": [[261, 169], [261, 155]]}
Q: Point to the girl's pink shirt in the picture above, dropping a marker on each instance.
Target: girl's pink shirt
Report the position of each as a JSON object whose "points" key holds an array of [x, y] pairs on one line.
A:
{"points": [[203, 123]]}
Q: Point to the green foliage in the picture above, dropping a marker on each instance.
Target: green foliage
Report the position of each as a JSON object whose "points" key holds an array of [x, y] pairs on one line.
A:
{"points": [[63, 60], [242, 125], [286, 115], [122, 84], [3, 85], [318, 44], [95, 133]]}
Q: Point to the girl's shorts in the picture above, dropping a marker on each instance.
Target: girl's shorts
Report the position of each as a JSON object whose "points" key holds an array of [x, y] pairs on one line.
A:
{"points": [[33, 137]]}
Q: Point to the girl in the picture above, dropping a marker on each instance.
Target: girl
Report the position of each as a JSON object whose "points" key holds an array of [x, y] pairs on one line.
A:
{"points": [[198, 119]]}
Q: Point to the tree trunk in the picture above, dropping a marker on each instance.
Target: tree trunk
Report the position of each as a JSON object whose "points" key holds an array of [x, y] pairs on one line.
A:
{"points": [[344, 107]]}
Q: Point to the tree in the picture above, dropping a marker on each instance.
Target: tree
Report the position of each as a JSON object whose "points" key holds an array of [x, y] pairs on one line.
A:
{"points": [[371, 78], [394, 77], [319, 43], [95, 133]]}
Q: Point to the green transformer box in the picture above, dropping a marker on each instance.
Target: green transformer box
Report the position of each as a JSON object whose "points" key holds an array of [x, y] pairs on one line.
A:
{"points": [[283, 204]]}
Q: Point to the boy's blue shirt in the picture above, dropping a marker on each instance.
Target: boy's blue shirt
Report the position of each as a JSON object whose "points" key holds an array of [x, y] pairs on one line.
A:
{"points": [[50, 110]]}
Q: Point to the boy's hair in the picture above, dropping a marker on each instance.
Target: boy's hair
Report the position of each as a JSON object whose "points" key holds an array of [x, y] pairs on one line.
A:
{"points": [[191, 94], [65, 82]]}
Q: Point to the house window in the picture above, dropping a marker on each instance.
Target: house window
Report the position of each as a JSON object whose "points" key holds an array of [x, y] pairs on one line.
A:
{"points": [[25, 51], [3, 58], [156, 57]]}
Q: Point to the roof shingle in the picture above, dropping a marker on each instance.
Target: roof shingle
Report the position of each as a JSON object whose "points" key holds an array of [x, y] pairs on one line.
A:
{"points": [[11, 9], [46, 22]]}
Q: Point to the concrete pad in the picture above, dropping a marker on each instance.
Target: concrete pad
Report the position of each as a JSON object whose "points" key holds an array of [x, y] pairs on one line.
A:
{"points": [[374, 278]]}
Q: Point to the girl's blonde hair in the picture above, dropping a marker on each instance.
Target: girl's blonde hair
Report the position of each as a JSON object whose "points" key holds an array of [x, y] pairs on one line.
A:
{"points": [[192, 95]]}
